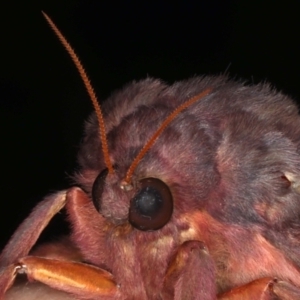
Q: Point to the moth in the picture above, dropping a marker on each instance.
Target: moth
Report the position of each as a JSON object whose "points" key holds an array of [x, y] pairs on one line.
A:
{"points": [[184, 191]]}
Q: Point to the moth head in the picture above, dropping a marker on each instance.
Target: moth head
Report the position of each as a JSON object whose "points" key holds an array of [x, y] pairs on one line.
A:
{"points": [[150, 198]]}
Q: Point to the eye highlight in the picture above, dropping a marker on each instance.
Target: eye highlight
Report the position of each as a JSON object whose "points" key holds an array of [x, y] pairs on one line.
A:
{"points": [[152, 206], [97, 189]]}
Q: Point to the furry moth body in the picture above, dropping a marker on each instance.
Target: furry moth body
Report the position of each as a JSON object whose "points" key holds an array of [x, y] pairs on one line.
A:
{"points": [[211, 212]]}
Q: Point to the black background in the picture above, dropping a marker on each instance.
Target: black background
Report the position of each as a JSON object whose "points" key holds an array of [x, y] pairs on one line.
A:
{"points": [[44, 104]]}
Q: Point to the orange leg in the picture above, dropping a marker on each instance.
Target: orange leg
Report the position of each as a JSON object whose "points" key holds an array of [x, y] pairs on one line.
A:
{"points": [[73, 277], [263, 289]]}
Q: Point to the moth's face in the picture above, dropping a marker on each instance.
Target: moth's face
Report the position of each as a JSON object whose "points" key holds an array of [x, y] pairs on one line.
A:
{"points": [[164, 177], [231, 155], [229, 164]]}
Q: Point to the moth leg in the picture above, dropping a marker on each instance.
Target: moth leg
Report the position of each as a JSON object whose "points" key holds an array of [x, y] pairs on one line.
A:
{"points": [[263, 289], [73, 277], [76, 278], [191, 274], [26, 236], [58, 274], [29, 231]]}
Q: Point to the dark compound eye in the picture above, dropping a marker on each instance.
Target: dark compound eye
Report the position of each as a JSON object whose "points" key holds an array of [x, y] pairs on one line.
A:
{"points": [[152, 206], [97, 189]]}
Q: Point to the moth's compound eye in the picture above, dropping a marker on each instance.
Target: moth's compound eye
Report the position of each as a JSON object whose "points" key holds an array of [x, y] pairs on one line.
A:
{"points": [[97, 189], [152, 206]]}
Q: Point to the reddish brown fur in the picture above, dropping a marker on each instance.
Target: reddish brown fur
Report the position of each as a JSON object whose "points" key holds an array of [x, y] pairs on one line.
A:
{"points": [[233, 159], [226, 160]]}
